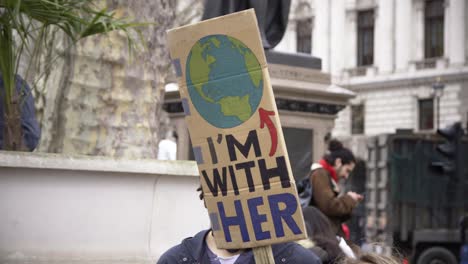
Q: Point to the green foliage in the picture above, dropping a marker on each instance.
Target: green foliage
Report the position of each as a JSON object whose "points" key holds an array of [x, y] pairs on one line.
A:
{"points": [[7, 60], [31, 22]]}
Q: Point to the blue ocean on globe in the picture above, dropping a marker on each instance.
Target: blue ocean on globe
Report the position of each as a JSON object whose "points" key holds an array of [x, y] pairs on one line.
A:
{"points": [[224, 80]]}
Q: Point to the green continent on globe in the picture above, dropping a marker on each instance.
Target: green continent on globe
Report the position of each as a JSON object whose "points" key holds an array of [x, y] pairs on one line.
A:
{"points": [[215, 41], [236, 106], [251, 63], [224, 80], [200, 68]]}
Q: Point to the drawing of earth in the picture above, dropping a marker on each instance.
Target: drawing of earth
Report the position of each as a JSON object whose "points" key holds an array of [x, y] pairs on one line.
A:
{"points": [[224, 80]]}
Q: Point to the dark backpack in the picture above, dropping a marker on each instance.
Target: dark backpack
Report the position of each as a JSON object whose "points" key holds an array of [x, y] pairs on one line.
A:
{"points": [[304, 191], [304, 188]]}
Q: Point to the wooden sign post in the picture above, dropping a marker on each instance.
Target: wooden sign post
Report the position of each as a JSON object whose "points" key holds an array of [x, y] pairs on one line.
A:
{"points": [[236, 134]]}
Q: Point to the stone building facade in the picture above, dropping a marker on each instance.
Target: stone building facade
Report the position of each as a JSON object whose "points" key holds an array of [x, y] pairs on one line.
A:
{"points": [[392, 54]]}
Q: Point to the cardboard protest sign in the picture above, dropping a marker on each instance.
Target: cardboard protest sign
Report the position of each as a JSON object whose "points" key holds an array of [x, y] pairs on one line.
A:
{"points": [[236, 135]]}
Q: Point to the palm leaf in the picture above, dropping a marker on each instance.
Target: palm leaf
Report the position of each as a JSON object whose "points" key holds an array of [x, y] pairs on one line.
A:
{"points": [[7, 62], [31, 21]]}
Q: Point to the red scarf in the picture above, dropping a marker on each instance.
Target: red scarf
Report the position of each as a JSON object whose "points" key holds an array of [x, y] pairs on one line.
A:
{"points": [[330, 169]]}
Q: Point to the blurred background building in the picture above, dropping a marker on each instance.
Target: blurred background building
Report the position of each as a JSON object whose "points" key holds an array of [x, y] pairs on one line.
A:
{"points": [[402, 58], [406, 62]]}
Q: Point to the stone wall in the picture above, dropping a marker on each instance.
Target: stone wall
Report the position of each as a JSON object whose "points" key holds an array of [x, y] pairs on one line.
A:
{"points": [[392, 108]]}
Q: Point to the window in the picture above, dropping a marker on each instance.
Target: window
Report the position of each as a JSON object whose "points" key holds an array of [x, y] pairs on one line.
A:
{"points": [[426, 114], [466, 120], [357, 119], [299, 146], [304, 35], [365, 38], [466, 34], [434, 29]]}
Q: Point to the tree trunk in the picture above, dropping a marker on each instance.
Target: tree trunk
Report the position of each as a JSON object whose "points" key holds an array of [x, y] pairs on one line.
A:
{"points": [[13, 133], [99, 102], [110, 104]]}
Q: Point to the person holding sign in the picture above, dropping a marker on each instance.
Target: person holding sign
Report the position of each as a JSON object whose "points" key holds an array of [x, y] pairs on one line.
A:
{"points": [[202, 249], [234, 126], [324, 192]]}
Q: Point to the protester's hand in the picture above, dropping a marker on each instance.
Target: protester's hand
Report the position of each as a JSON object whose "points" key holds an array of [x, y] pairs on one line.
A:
{"points": [[356, 197]]}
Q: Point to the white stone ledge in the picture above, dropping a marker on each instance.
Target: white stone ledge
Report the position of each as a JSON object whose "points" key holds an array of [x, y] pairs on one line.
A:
{"points": [[94, 163], [95, 210]]}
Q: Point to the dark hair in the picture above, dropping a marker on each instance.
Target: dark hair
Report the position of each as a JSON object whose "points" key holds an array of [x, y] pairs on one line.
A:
{"points": [[317, 223], [335, 151], [320, 231]]}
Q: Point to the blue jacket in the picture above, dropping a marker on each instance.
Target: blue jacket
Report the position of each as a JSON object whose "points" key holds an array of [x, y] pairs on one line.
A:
{"points": [[31, 129], [192, 250]]}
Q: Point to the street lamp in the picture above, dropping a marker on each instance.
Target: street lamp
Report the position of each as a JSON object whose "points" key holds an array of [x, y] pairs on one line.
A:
{"points": [[438, 88]]}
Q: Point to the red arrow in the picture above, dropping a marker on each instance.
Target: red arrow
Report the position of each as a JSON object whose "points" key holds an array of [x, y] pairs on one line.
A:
{"points": [[265, 119]]}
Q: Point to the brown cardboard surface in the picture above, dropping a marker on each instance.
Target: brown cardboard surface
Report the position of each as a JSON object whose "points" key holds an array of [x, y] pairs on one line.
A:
{"points": [[235, 130]]}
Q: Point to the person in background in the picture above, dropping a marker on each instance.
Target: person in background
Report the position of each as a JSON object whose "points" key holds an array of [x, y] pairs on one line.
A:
{"points": [[167, 147], [202, 249], [322, 239], [324, 191], [29, 124]]}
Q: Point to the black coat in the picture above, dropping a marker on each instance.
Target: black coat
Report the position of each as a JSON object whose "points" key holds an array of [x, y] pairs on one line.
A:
{"points": [[193, 250]]}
